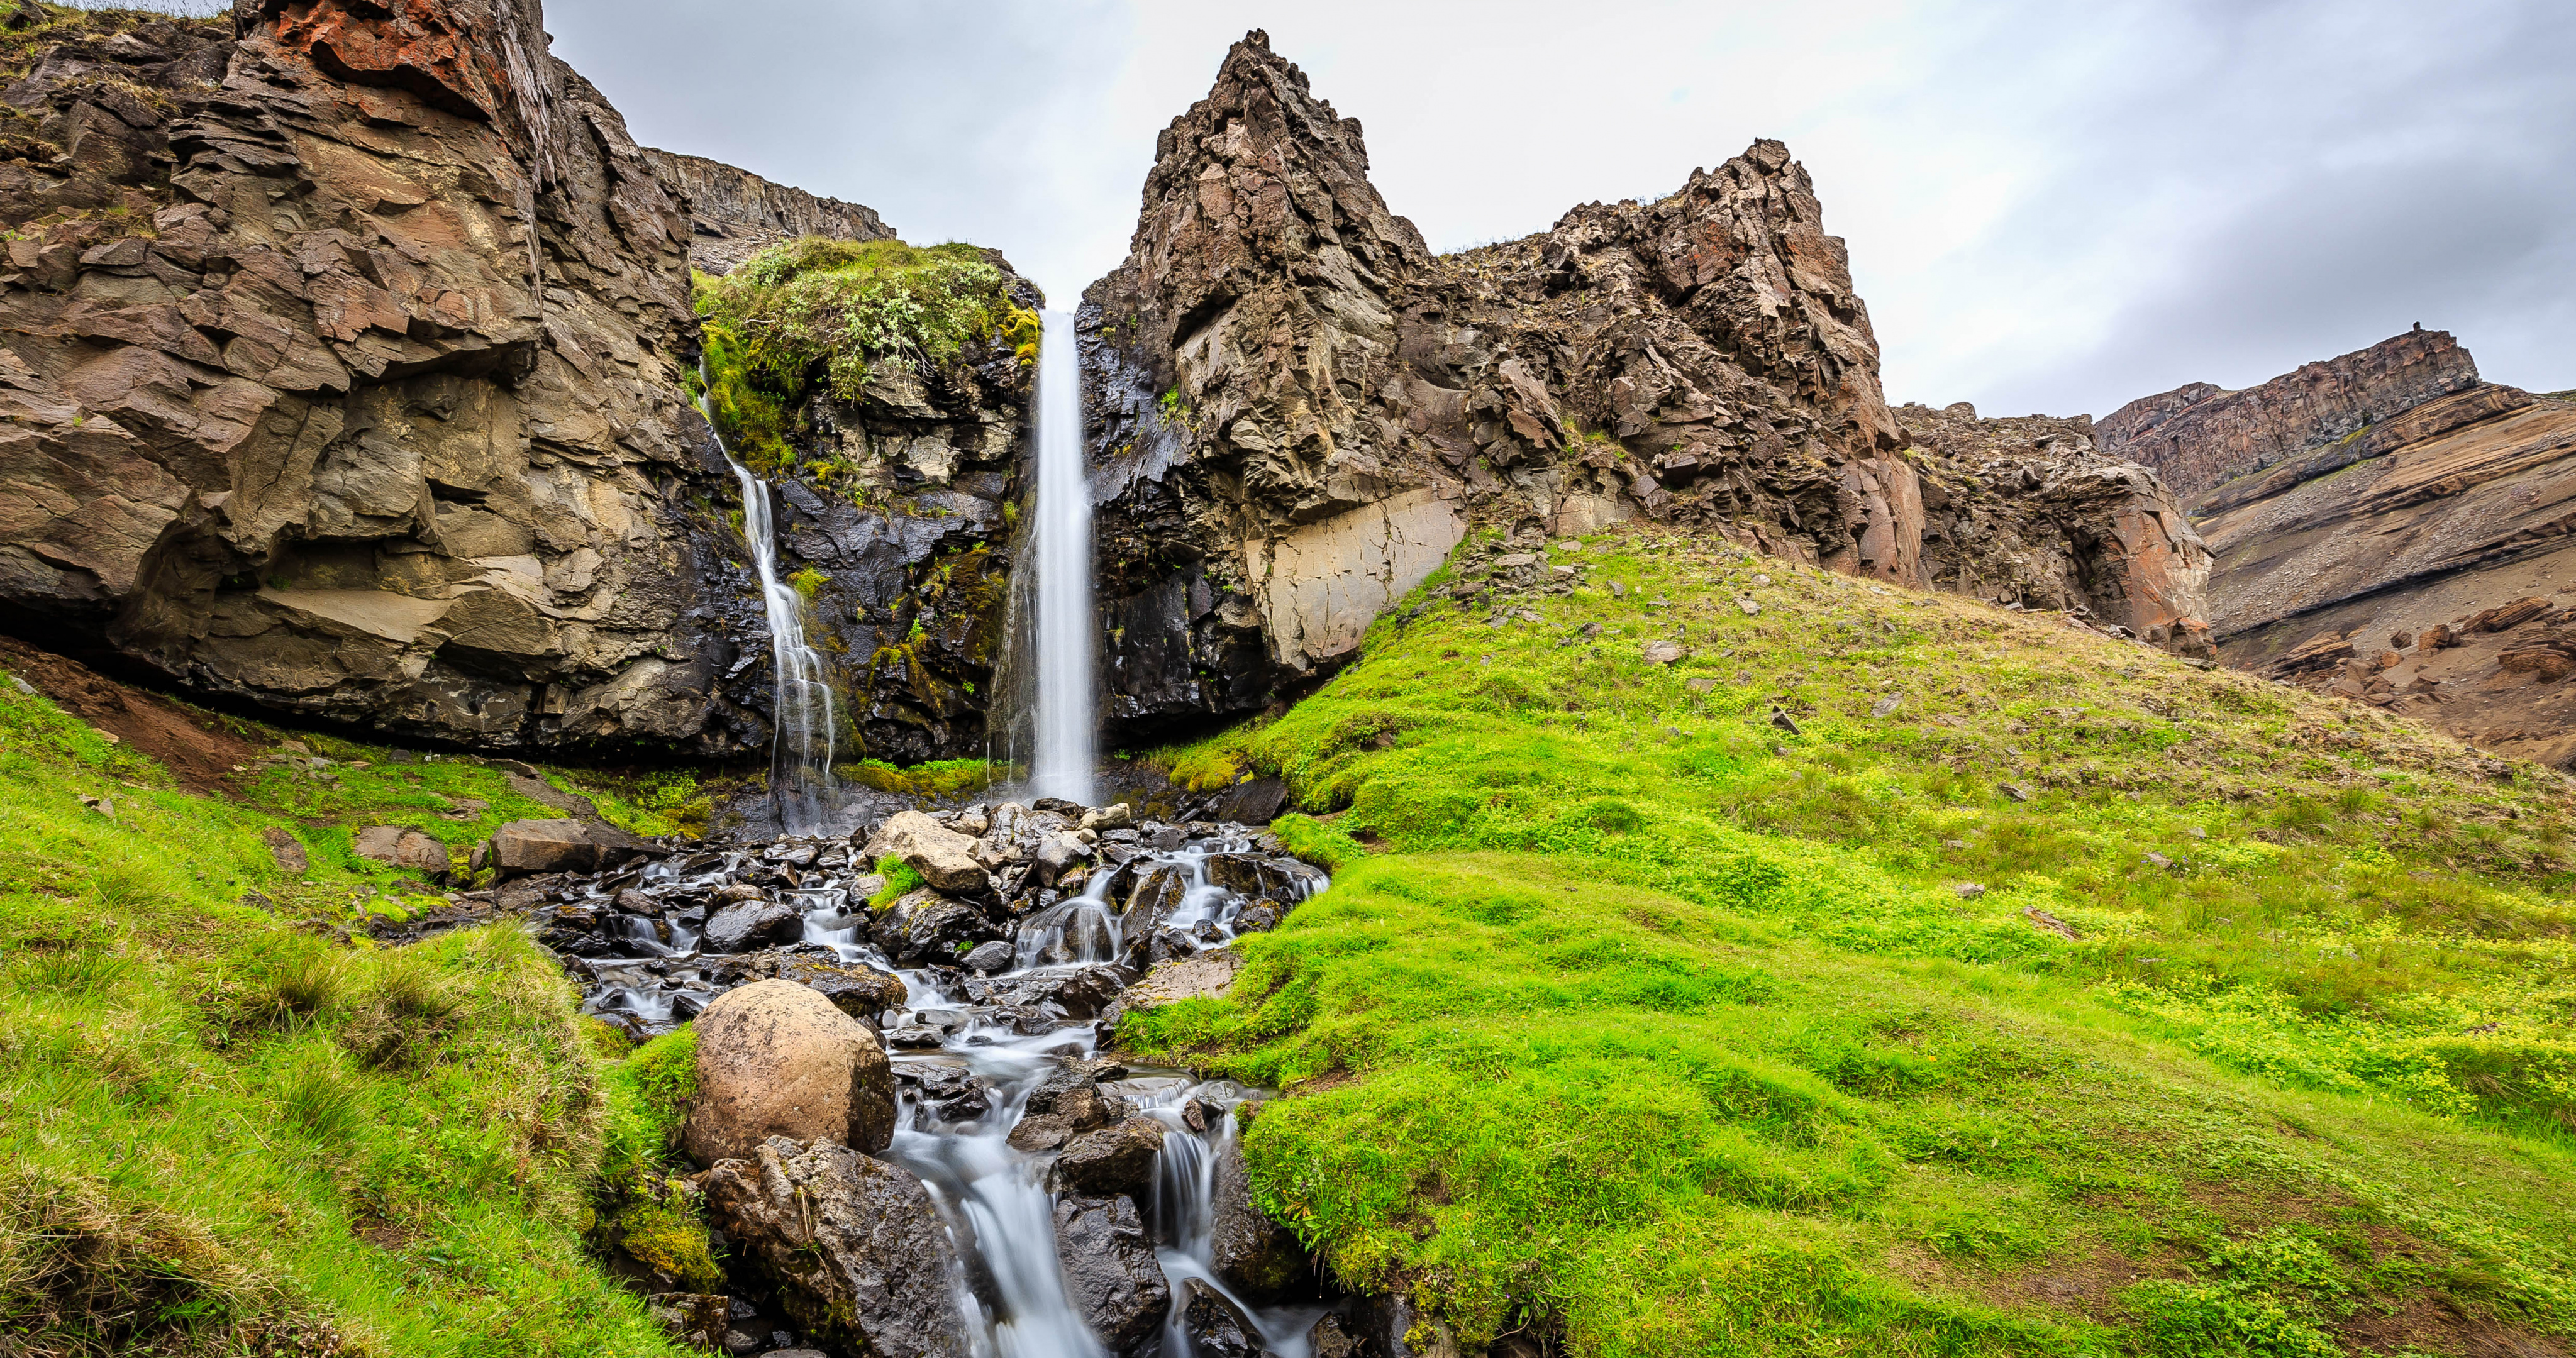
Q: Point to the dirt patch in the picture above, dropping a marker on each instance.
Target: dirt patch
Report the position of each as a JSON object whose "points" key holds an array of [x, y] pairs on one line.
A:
{"points": [[2430, 1324], [194, 746]]}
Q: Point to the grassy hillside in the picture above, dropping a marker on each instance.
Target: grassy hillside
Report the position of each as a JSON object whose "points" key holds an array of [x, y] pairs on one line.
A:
{"points": [[2038, 993], [227, 1125]]}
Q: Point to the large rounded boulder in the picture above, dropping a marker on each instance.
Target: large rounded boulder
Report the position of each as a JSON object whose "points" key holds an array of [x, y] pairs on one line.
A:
{"points": [[777, 1059]]}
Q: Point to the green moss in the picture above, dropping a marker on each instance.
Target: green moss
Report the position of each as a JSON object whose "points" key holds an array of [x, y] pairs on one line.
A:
{"points": [[937, 779], [829, 312], [808, 582], [1631, 1010], [900, 881]]}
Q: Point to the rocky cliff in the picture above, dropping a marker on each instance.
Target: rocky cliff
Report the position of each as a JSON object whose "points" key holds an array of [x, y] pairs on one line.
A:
{"points": [[735, 214], [2029, 512], [2197, 436], [1296, 409], [342, 354]]}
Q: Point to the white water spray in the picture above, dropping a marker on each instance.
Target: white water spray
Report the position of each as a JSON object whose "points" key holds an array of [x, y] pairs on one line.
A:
{"points": [[803, 720], [1063, 763]]}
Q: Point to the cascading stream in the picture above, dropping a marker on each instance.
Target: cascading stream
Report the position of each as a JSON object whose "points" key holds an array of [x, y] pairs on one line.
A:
{"points": [[1062, 560], [1013, 1292], [803, 720]]}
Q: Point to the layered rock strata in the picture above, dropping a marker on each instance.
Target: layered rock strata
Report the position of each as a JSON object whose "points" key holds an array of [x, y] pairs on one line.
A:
{"points": [[2199, 435], [1295, 409], [735, 214], [341, 359]]}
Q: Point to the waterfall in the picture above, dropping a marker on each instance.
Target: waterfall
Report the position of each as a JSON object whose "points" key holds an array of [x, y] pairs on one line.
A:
{"points": [[802, 717], [1062, 560]]}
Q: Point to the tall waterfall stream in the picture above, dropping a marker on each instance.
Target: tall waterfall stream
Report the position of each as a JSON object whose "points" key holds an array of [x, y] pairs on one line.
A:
{"points": [[802, 721], [969, 1048]]}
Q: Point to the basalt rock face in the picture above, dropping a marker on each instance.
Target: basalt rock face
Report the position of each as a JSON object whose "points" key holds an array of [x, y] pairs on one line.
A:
{"points": [[1295, 410], [2029, 511], [908, 544], [2197, 436], [735, 214], [342, 360]]}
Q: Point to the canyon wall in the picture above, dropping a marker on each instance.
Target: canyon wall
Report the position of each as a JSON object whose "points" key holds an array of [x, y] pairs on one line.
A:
{"points": [[2389, 528], [2197, 436], [342, 362], [1296, 409], [735, 214]]}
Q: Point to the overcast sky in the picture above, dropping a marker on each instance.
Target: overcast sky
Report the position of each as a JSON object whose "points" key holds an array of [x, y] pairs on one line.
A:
{"points": [[2051, 207]]}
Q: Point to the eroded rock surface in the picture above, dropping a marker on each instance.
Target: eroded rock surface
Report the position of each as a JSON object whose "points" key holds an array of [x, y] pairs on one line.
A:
{"points": [[342, 364], [858, 1250], [2199, 435], [1296, 410], [735, 214], [2030, 511]]}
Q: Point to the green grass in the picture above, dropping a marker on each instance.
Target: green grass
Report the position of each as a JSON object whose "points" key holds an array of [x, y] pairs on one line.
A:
{"points": [[829, 312], [1632, 1013], [232, 1128], [938, 779]]}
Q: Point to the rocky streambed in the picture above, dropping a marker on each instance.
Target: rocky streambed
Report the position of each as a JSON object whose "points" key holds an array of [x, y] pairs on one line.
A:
{"points": [[913, 1136]]}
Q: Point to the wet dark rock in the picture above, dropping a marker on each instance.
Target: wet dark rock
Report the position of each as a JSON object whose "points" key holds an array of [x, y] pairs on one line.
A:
{"points": [[1041, 1132], [860, 1257], [1283, 881], [990, 957], [697, 1320], [1254, 801], [1260, 919], [858, 990], [1110, 1272], [916, 1037], [1217, 1328], [1364, 1327], [926, 926], [749, 924], [1114, 1159], [1057, 856], [951, 1092], [1064, 995], [1257, 1257]]}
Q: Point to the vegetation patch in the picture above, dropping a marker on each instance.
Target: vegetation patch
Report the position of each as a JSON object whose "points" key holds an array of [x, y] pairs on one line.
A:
{"points": [[1635, 1009], [229, 1124], [822, 314]]}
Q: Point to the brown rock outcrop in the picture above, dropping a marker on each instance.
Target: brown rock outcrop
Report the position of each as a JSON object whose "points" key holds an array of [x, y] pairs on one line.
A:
{"points": [[342, 363], [2198, 435], [1295, 410], [735, 214], [2029, 511]]}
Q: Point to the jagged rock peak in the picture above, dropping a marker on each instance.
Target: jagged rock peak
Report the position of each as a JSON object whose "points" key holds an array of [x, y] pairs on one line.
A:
{"points": [[2198, 435], [735, 214]]}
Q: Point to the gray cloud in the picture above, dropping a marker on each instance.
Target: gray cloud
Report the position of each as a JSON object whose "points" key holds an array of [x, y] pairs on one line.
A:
{"points": [[2049, 207]]}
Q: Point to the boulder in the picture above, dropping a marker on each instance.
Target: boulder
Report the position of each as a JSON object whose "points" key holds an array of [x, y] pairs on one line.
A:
{"points": [[529, 846], [776, 1059], [1257, 1257], [924, 926], [1217, 1328], [1254, 801], [1057, 856], [285, 850], [1115, 1159], [1110, 1273], [402, 848], [944, 858], [987, 958], [859, 1254], [751, 924], [1041, 1132]]}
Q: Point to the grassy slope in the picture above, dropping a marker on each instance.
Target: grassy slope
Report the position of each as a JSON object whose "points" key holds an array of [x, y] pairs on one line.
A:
{"points": [[222, 1126], [1639, 1017]]}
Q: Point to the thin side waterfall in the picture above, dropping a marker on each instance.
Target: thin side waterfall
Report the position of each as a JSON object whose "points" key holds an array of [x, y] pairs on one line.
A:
{"points": [[803, 721], [1062, 559]]}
